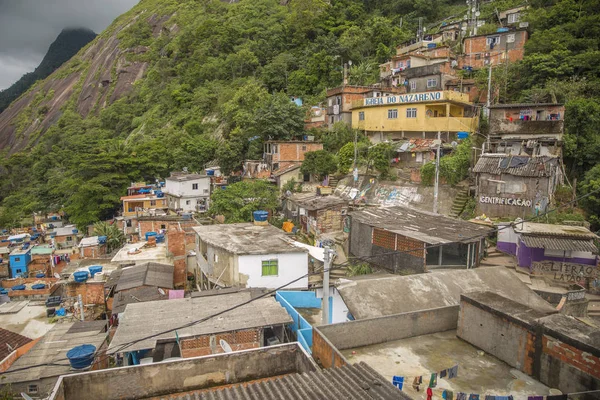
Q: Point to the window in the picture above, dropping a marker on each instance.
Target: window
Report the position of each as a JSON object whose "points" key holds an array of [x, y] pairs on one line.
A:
{"points": [[17, 259], [512, 18], [32, 389], [361, 116], [163, 226], [492, 41], [393, 113], [19, 270], [557, 253], [270, 268], [303, 148], [194, 186], [275, 149], [330, 102], [338, 100], [431, 82], [152, 202], [411, 113], [188, 202], [510, 38], [413, 85], [478, 56]]}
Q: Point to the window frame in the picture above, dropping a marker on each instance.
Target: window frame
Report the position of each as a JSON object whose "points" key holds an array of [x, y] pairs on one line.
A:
{"points": [[361, 115], [270, 263], [516, 17], [392, 113], [434, 80], [413, 85], [194, 186], [411, 112], [33, 389]]}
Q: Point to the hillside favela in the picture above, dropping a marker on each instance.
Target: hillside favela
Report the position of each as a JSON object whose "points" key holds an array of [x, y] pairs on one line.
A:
{"points": [[299, 199]]}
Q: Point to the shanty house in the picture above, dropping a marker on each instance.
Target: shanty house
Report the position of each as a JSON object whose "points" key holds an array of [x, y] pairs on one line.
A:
{"points": [[316, 214], [515, 186], [188, 192], [406, 240], [248, 255]]}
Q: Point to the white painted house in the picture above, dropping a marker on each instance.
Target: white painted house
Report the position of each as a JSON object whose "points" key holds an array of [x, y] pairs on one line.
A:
{"points": [[249, 255], [188, 192]]}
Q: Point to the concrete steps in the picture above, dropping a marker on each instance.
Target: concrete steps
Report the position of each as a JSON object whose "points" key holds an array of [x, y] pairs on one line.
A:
{"points": [[459, 203], [593, 305]]}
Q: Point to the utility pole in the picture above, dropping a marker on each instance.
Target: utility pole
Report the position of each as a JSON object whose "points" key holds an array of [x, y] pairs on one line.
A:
{"points": [[79, 299], [489, 93], [327, 258], [354, 165], [437, 173]]}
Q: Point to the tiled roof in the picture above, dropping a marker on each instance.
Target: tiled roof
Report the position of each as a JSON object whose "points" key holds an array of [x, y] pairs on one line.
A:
{"points": [[497, 164], [14, 340], [358, 381]]}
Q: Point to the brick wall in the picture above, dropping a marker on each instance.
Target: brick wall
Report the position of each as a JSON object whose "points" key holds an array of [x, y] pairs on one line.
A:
{"points": [[330, 220], [8, 283], [294, 151], [568, 354], [91, 292], [325, 353], [176, 247], [94, 251], [156, 225], [477, 50], [210, 344]]}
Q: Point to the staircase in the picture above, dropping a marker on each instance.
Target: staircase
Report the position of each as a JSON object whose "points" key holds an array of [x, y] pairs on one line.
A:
{"points": [[333, 181], [496, 258], [459, 203], [593, 305]]}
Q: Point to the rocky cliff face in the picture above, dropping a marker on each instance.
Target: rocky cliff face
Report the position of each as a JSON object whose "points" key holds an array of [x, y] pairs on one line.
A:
{"points": [[94, 78]]}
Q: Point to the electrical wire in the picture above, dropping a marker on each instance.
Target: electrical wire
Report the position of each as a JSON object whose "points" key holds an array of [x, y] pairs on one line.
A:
{"points": [[338, 266]]}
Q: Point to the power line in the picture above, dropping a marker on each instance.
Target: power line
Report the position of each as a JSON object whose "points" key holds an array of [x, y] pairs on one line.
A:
{"points": [[270, 292]]}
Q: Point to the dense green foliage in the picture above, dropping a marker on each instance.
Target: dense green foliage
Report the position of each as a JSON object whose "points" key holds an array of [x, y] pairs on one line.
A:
{"points": [[379, 157], [114, 236], [453, 168], [319, 163], [590, 187], [220, 77], [237, 202], [66, 45]]}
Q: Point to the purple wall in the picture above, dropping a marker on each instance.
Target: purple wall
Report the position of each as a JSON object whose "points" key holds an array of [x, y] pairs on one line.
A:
{"points": [[506, 247], [526, 256]]}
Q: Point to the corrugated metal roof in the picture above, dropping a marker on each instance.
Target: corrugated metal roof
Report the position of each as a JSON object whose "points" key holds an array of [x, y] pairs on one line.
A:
{"points": [[523, 105], [146, 274], [420, 225], [358, 381], [136, 295], [497, 164], [552, 243]]}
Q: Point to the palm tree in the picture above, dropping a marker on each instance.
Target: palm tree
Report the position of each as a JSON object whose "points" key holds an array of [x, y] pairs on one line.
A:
{"points": [[114, 237]]}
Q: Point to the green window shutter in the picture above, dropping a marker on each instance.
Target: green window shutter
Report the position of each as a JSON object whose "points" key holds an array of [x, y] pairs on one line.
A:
{"points": [[270, 268]]}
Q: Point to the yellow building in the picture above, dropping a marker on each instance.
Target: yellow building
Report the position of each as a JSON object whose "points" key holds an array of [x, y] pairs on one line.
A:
{"points": [[140, 203], [415, 115]]}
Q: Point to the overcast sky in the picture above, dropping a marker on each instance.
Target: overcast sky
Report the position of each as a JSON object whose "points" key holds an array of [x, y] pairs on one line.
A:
{"points": [[28, 27]]}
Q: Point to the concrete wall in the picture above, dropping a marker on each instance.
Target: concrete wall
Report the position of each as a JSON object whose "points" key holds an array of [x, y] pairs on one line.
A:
{"points": [[291, 266], [167, 377], [510, 342], [366, 332], [290, 300]]}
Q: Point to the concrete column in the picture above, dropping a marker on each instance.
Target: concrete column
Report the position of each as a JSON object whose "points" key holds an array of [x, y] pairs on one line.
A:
{"points": [[440, 256]]}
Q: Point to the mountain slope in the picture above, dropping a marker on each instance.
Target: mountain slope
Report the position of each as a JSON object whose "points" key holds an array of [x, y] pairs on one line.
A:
{"points": [[66, 45]]}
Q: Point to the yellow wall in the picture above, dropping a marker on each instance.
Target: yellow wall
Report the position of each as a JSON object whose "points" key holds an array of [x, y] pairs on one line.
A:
{"points": [[376, 118], [159, 203]]}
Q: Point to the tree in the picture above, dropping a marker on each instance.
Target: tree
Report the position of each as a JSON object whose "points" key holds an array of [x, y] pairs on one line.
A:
{"points": [[237, 201], [345, 156], [364, 74], [590, 186], [319, 163], [114, 236], [379, 157], [582, 142]]}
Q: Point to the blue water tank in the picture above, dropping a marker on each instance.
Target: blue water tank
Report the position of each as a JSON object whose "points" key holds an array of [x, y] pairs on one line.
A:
{"points": [[463, 135], [54, 218], [431, 45], [38, 286], [499, 30], [150, 234], [210, 172], [18, 287], [80, 276], [3, 291], [75, 231], [94, 269], [260, 216], [160, 238], [159, 194], [186, 216], [102, 239], [81, 356], [40, 275]]}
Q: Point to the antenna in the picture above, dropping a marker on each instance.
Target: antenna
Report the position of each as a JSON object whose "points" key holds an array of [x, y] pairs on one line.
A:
{"points": [[225, 346]]}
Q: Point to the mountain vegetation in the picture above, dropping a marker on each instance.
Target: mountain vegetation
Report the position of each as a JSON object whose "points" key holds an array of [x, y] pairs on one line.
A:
{"points": [[66, 45], [197, 81]]}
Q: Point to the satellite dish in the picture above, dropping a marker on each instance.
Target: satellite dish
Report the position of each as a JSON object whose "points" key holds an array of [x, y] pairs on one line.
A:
{"points": [[225, 346], [161, 291]]}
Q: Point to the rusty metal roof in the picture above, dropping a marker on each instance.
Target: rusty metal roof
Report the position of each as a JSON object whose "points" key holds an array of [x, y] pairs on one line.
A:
{"points": [[552, 243], [358, 381], [497, 164]]}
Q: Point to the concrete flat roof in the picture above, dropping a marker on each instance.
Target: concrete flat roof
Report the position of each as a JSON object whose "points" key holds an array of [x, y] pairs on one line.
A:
{"points": [[19, 251], [536, 228], [312, 201], [387, 295], [247, 238], [141, 319], [129, 254], [426, 354], [41, 249]]}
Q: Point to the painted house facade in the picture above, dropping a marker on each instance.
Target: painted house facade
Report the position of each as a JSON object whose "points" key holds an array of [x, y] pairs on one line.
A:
{"points": [[138, 204], [19, 260], [532, 242], [188, 192], [248, 255], [493, 49]]}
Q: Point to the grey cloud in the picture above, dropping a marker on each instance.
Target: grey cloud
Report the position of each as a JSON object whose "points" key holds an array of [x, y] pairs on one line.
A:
{"points": [[28, 27]]}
